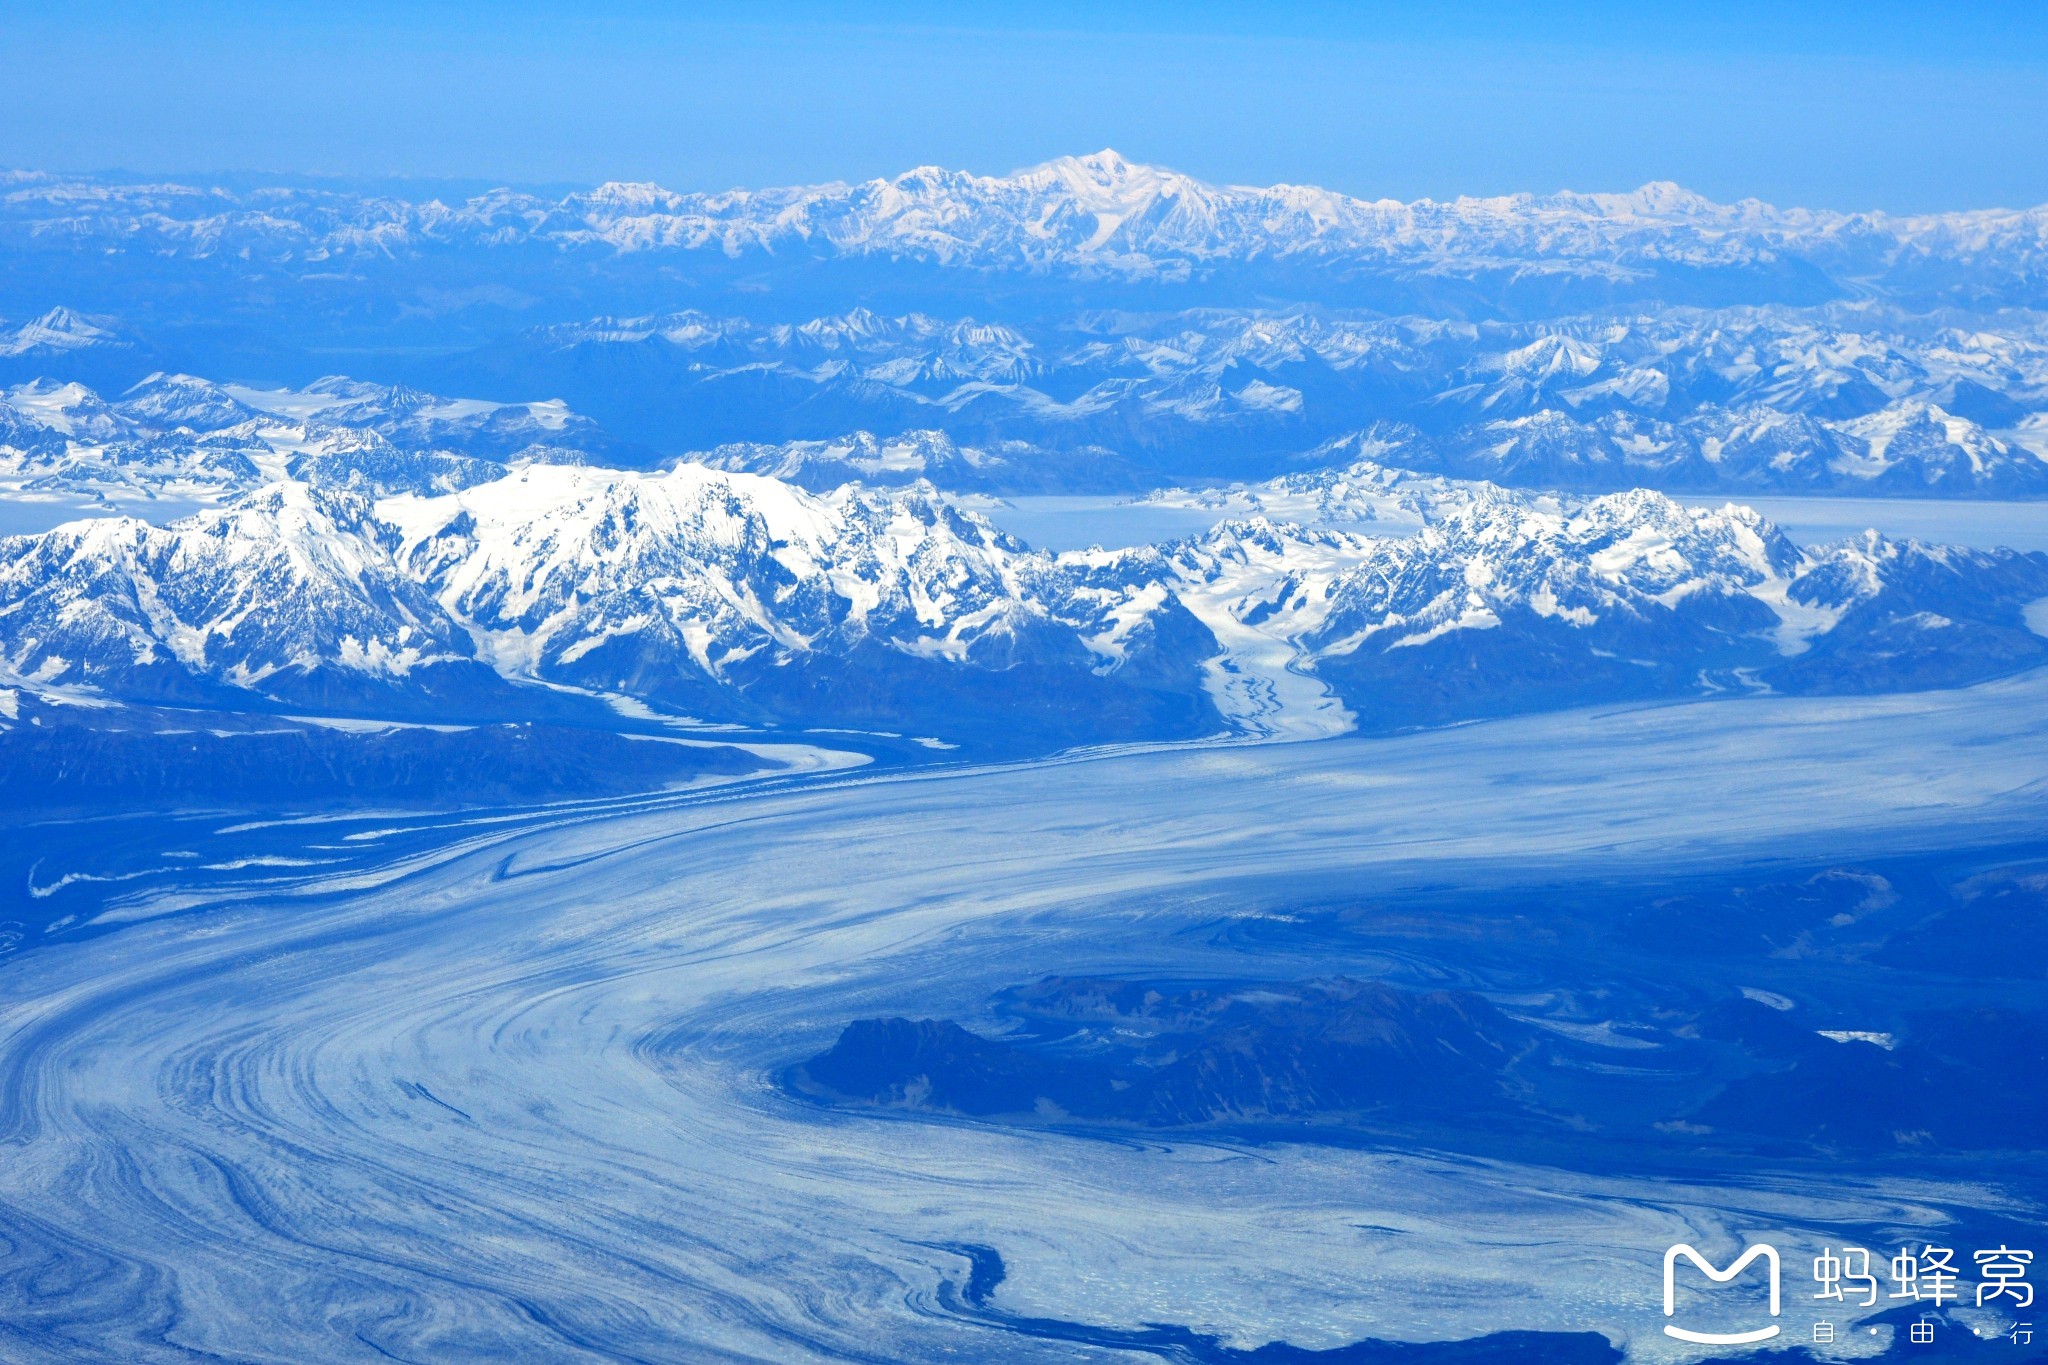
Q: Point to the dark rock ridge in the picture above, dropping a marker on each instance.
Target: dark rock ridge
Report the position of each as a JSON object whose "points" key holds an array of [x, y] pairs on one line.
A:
{"points": [[1267, 1053], [1661, 1023]]}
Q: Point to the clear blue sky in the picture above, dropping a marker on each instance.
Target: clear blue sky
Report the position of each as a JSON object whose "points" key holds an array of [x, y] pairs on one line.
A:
{"points": [[1869, 105]]}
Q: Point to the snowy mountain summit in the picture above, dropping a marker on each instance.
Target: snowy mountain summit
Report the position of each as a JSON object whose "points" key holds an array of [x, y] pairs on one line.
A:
{"points": [[732, 451], [1099, 212], [735, 596]]}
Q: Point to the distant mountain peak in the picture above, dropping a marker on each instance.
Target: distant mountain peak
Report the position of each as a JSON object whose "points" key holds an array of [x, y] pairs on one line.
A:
{"points": [[1670, 197], [61, 331], [1105, 166], [1096, 212]]}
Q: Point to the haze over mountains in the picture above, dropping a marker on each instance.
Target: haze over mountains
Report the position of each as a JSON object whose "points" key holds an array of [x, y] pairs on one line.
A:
{"points": [[1757, 400], [1098, 213], [1194, 330], [223, 278]]}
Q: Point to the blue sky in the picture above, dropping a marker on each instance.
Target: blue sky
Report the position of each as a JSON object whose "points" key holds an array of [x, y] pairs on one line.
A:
{"points": [[1873, 105]]}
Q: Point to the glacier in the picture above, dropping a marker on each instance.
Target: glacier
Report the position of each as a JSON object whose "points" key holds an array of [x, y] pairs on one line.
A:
{"points": [[460, 1105], [737, 597], [1074, 764]]}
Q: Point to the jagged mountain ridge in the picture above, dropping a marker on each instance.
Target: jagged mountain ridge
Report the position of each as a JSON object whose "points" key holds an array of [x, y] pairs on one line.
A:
{"points": [[1013, 467], [1099, 210], [734, 596], [1743, 399], [1905, 449], [269, 281], [1710, 406], [180, 437]]}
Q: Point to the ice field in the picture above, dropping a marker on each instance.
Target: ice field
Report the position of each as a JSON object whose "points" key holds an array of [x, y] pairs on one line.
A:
{"points": [[515, 1097]]}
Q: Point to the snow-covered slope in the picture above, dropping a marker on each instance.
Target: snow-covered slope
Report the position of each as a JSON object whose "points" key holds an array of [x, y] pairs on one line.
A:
{"points": [[1763, 400], [57, 334], [932, 456], [733, 595], [180, 437], [721, 594], [91, 348], [1742, 400], [237, 281], [1908, 447], [280, 593], [1505, 601], [1739, 399]]}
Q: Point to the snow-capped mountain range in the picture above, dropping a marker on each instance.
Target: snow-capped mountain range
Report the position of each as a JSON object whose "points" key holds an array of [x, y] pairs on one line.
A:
{"points": [[1913, 448], [999, 467], [769, 518], [272, 282], [730, 596], [1741, 399], [181, 438], [1100, 212]]}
